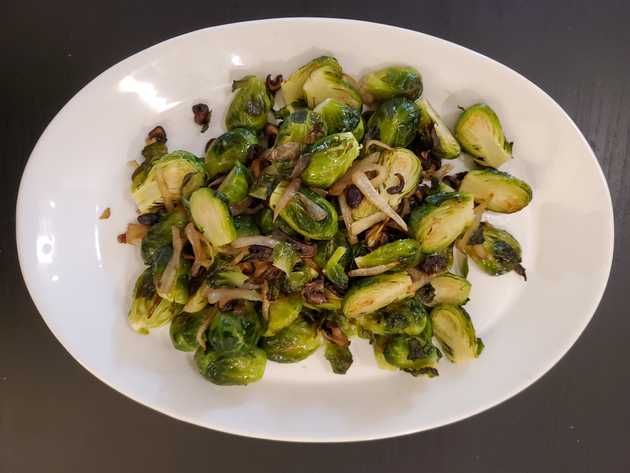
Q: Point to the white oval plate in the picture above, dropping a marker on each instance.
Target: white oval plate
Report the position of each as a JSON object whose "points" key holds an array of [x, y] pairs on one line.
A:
{"points": [[80, 278]]}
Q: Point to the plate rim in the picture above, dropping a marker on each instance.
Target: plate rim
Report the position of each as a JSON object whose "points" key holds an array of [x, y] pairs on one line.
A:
{"points": [[29, 275]]}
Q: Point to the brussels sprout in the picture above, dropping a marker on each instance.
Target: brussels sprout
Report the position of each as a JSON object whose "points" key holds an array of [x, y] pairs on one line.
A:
{"points": [[303, 126], [179, 173], [359, 130], [455, 332], [340, 117], [265, 222], [296, 281], [498, 253], [390, 82], [160, 234], [405, 317], [446, 288], [326, 83], [282, 313], [296, 213], [292, 88], [339, 357], [501, 192], [151, 153], [441, 219], [274, 173], [293, 343], [245, 226], [228, 277], [179, 291], [231, 332], [479, 132], [148, 310], [406, 252], [434, 134], [285, 257], [331, 157], [212, 216], [335, 271], [289, 108], [185, 328], [412, 355], [375, 292], [235, 186], [394, 122], [227, 149], [250, 106], [232, 368], [198, 301], [326, 248]]}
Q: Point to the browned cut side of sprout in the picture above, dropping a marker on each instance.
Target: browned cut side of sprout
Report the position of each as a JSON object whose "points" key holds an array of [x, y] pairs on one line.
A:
{"points": [[346, 214], [168, 277], [255, 240], [361, 225], [202, 249], [340, 186], [224, 295], [365, 186], [204, 326], [373, 270], [286, 197]]}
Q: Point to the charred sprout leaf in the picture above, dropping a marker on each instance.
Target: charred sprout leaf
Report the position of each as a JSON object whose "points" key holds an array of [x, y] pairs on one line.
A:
{"points": [[304, 127], [455, 332], [331, 157], [441, 219], [327, 83], [405, 317], [375, 292], [394, 122], [434, 263], [292, 88], [283, 313], [446, 288], [500, 191], [413, 355], [235, 186], [231, 368], [293, 343], [499, 253], [434, 134], [335, 271], [480, 133], [148, 310], [340, 118], [228, 149], [250, 105], [245, 225], [339, 357], [212, 217], [160, 234], [390, 82], [406, 252], [185, 328], [173, 171], [229, 331]]}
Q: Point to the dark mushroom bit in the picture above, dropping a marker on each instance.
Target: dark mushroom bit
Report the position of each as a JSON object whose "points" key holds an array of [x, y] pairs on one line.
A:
{"points": [[323, 221]]}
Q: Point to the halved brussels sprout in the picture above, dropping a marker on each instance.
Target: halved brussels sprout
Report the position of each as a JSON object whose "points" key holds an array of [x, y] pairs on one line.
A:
{"points": [[151, 153], [303, 126], [331, 157], [227, 149], [212, 216], [282, 313], [446, 288], [250, 106], [299, 216], [414, 355], [160, 234], [185, 328], [390, 82], [245, 226], [335, 271], [406, 252], [501, 192], [394, 122], [405, 317], [480, 133], [434, 134], [375, 292], [231, 368], [148, 310], [235, 186], [231, 332], [326, 83], [498, 253], [340, 117], [441, 219], [179, 291], [339, 357], [455, 332], [293, 343], [177, 174], [292, 88]]}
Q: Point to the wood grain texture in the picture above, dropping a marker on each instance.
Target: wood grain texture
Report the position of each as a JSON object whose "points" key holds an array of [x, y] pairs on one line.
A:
{"points": [[56, 417]]}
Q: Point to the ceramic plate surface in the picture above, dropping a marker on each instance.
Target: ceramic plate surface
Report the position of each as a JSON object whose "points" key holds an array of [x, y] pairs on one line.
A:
{"points": [[80, 277]]}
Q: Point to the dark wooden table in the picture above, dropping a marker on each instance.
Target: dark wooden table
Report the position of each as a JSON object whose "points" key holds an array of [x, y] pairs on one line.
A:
{"points": [[56, 417]]}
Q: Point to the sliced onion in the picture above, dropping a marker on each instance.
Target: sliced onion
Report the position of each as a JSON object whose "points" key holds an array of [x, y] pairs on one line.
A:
{"points": [[373, 236], [314, 211], [377, 144], [361, 225], [168, 276], [223, 295], [346, 179], [204, 255], [135, 233], [300, 165], [266, 303], [203, 326], [360, 180], [286, 196], [239, 257], [346, 214], [255, 240], [163, 186], [241, 207], [374, 270], [478, 211], [217, 181]]}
